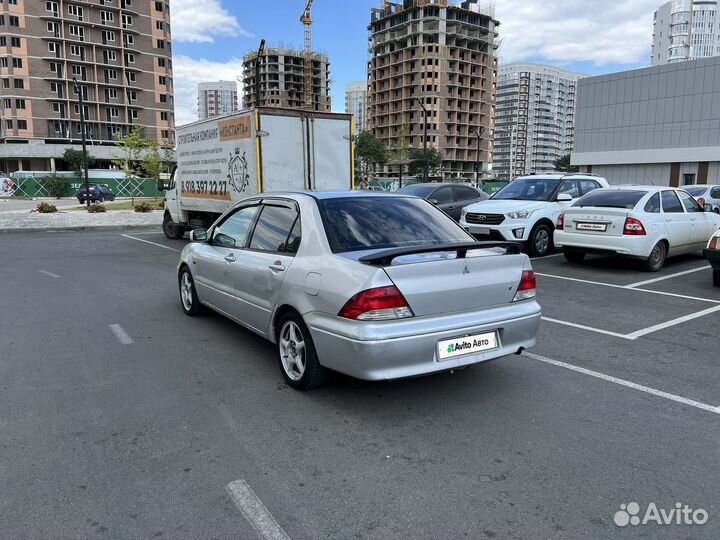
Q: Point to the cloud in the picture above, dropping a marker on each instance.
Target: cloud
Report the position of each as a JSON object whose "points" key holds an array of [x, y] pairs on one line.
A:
{"points": [[567, 31], [201, 22], [188, 72]]}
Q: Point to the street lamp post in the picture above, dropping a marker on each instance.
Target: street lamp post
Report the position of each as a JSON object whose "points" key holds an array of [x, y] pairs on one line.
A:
{"points": [[477, 164], [78, 91], [425, 179]]}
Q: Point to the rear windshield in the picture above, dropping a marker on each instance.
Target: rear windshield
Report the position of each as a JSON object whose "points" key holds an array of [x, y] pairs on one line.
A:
{"points": [[361, 223], [417, 190], [611, 199], [696, 191]]}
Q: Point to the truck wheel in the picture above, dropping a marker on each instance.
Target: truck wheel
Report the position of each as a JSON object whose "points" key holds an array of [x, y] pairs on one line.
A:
{"points": [[657, 257], [171, 229], [716, 277], [296, 352], [540, 242], [574, 257]]}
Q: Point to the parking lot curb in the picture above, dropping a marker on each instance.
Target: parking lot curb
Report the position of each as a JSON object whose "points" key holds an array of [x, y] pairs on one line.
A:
{"points": [[82, 228]]}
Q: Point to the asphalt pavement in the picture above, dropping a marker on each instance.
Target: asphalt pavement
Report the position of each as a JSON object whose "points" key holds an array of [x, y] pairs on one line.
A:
{"points": [[123, 418]]}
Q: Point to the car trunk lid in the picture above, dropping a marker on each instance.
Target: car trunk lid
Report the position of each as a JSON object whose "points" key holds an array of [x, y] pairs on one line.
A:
{"points": [[597, 221]]}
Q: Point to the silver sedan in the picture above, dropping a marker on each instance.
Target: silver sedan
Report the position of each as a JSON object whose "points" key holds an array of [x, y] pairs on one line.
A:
{"points": [[377, 286]]}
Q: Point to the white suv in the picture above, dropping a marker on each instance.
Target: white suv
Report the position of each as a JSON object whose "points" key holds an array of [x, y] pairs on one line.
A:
{"points": [[527, 209]]}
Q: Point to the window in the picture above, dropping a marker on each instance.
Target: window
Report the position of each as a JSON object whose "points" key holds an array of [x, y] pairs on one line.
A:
{"points": [[111, 93], [113, 112], [690, 204], [22, 124], [134, 114], [464, 193], [4, 62], [108, 36], [8, 124], [233, 232], [77, 31], [671, 203], [164, 116], [163, 98], [3, 41], [19, 103], [160, 43], [569, 187], [129, 39], [159, 25], [715, 193], [17, 63], [52, 7], [162, 80], [165, 134], [15, 42], [7, 103], [76, 11], [132, 95], [2, 20], [127, 20], [161, 62], [273, 230], [158, 6], [131, 78], [586, 186], [606, 198], [6, 83], [76, 50], [14, 21], [129, 58], [54, 28], [111, 74], [107, 16], [351, 224], [19, 84], [442, 195]]}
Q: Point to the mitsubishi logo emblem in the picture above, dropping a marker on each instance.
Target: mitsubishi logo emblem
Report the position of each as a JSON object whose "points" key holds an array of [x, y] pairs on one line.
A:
{"points": [[466, 270]]}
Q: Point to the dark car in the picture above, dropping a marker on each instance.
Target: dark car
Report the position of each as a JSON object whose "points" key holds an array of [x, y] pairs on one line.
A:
{"points": [[450, 198], [94, 192]]}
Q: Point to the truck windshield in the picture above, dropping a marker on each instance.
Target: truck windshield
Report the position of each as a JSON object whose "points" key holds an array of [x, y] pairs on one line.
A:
{"points": [[361, 223], [529, 189]]}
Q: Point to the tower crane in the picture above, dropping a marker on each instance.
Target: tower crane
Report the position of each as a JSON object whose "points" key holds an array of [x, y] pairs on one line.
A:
{"points": [[306, 19]]}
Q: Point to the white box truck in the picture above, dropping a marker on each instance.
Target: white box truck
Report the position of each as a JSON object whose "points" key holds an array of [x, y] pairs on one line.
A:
{"points": [[223, 160]]}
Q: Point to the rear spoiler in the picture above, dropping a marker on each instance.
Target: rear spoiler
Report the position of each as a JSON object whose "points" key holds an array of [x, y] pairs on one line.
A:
{"points": [[386, 256]]}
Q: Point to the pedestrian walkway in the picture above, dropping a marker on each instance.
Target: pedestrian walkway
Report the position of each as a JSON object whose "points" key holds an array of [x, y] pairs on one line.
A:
{"points": [[17, 221]]}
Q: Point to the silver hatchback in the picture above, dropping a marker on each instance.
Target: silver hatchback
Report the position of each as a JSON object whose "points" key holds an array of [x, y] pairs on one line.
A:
{"points": [[376, 286]]}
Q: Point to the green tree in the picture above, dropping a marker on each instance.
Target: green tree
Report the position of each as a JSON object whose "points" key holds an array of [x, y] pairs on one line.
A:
{"points": [[369, 151], [562, 164], [54, 185], [136, 154], [74, 159], [435, 159]]}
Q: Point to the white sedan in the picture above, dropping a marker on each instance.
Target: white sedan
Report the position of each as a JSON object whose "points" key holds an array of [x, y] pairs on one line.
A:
{"points": [[645, 222]]}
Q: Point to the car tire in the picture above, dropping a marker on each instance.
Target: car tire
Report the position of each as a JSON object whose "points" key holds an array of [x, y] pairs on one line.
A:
{"points": [[296, 354], [657, 257], [171, 229], [574, 257], [716, 277], [540, 241], [188, 294]]}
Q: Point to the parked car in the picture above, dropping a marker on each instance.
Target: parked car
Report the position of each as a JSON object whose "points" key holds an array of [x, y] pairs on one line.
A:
{"points": [[646, 222], [374, 285], [527, 208], [706, 195], [712, 254], [450, 198], [94, 192]]}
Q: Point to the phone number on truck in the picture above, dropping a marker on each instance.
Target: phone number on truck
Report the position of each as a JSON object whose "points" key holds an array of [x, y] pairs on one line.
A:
{"points": [[205, 188]]}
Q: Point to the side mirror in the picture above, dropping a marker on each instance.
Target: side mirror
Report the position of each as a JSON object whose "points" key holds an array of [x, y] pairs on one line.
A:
{"points": [[564, 197], [161, 186], [198, 235]]}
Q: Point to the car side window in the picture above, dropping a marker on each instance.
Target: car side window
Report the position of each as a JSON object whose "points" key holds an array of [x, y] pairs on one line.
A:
{"points": [[233, 232], [670, 203], [569, 187], [715, 193], [442, 195], [463, 193], [653, 204], [586, 186], [689, 202], [275, 231]]}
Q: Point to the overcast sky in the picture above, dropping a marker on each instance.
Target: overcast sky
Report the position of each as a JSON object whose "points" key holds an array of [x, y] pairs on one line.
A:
{"points": [[210, 37]]}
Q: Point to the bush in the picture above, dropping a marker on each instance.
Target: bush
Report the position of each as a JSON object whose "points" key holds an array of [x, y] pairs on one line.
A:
{"points": [[144, 207], [54, 185], [97, 208], [46, 208]]}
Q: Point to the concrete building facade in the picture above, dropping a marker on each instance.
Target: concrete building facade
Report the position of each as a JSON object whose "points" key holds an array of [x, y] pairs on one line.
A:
{"points": [[441, 56], [686, 30], [120, 52], [659, 125], [217, 99], [356, 95], [534, 119], [282, 80]]}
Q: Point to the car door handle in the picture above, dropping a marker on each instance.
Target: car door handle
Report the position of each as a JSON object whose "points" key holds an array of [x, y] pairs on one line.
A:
{"points": [[277, 267], [230, 258]]}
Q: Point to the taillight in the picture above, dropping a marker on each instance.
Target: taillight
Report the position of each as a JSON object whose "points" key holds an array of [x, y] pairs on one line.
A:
{"points": [[382, 304], [633, 227], [527, 288], [560, 225], [701, 202], [714, 243]]}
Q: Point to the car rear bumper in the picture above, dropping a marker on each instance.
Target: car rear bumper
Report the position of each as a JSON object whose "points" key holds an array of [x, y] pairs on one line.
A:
{"points": [[396, 349], [713, 255], [630, 246]]}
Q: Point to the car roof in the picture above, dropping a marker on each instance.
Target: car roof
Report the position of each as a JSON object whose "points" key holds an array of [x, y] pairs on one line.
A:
{"points": [[636, 187], [325, 195], [558, 176], [438, 184]]}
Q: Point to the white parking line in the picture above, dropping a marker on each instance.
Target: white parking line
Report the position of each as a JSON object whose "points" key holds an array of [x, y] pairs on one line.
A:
{"points": [[671, 276], [623, 382], [588, 328], [151, 243], [255, 511], [49, 274], [674, 322], [121, 334]]}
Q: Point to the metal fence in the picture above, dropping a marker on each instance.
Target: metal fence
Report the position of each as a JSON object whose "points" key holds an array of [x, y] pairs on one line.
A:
{"points": [[36, 186]]}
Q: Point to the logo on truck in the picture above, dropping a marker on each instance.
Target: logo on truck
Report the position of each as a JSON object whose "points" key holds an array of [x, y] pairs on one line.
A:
{"points": [[238, 176]]}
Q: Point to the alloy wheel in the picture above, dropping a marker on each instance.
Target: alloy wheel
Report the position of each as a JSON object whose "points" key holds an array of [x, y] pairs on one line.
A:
{"points": [[292, 350]]}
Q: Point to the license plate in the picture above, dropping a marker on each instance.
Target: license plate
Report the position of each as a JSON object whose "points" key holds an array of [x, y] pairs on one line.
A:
{"points": [[452, 348], [597, 227], [485, 231]]}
